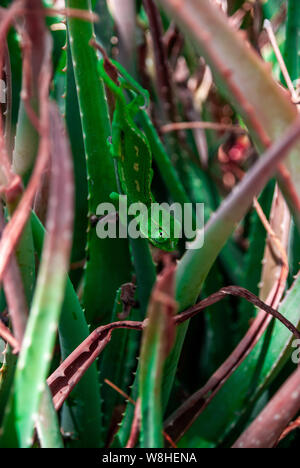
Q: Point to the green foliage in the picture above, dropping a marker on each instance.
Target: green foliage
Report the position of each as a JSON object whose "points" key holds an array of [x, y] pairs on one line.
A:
{"points": [[97, 133]]}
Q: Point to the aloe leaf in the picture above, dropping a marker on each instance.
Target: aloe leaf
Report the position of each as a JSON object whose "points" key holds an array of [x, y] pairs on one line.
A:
{"points": [[220, 332], [273, 266], [157, 340], [25, 259], [47, 423], [73, 123], [33, 364], [167, 171], [257, 240], [145, 271], [108, 263], [58, 35], [267, 428], [26, 143], [146, 277], [26, 138], [85, 404], [292, 41], [111, 365]]}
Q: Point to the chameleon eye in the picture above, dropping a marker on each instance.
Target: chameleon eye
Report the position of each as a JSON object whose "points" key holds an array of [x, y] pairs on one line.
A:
{"points": [[144, 104]]}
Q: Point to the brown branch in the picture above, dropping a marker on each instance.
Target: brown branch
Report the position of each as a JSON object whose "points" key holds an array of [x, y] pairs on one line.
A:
{"points": [[68, 374], [60, 213], [283, 68], [238, 292], [68, 12]]}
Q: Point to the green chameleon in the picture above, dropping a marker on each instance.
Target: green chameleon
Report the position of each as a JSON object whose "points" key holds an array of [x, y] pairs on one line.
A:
{"points": [[131, 151]]}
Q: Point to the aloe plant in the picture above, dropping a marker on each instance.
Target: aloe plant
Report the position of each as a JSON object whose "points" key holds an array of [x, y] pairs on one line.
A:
{"points": [[110, 341]]}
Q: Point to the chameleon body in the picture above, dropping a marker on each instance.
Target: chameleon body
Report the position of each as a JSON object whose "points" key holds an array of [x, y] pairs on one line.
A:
{"points": [[132, 153]]}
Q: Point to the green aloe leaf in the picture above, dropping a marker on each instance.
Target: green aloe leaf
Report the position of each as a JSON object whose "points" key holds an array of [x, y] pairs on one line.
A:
{"points": [[47, 425], [33, 365], [157, 340], [85, 404], [104, 266]]}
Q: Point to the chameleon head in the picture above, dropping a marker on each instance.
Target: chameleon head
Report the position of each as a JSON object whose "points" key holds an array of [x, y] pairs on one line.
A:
{"points": [[160, 240], [160, 236]]}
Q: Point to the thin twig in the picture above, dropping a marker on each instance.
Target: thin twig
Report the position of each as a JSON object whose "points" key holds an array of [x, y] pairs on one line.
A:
{"points": [[67, 12], [268, 27], [178, 126], [284, 175]]}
